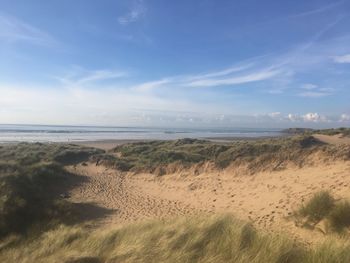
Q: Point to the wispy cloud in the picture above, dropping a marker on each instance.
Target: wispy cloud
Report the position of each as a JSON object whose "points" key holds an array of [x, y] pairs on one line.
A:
{"points": [[148, 86], [253, 77], [314, 94], [75, 105], [138, 10], [81, 77], [314, 91], [14, 30], [309, 86], [317, 10], [342, 59], [240, 74], [223, 72]]}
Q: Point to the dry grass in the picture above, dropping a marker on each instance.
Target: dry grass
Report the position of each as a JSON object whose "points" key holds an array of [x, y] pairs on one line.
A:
{"points": [[257, 155], [204, 239]]}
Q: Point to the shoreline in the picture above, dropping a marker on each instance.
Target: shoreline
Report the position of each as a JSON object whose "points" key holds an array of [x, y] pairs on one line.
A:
{"points": [[108, 144]]}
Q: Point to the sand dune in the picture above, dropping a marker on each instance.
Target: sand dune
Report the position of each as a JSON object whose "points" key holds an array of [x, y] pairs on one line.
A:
{"points": [[266, 199], [334, 139], [116, 191]]}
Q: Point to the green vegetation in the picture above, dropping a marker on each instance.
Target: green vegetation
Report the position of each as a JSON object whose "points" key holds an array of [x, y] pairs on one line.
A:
{"points": [[200, 239], [318, 207], [31, 180], [306, 131], [323, 206], [343, 131], [339, 218], [259, 155]]}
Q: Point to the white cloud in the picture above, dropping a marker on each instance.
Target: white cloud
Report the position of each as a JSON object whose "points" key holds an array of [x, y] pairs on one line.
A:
{"points": [[252, 77], [15, 30], [221, 73], [79, 76], [314, 91], [275, 115], [137, 11], [101, 75], [342, 59], [293, 117], [309, 86], [314, 117], [78, 105], [148, 86], [317, 10], [344, 118], [314, 94]]}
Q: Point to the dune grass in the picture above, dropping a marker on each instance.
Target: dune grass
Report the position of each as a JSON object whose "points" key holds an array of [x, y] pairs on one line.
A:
{"points": [[202, 239], [342, 131], [307, 131], [257, 155], [339, 217], [318, 207], [29, 175], [323, 206]]}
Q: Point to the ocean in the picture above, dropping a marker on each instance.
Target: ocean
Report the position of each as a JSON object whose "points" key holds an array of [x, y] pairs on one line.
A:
{"points": [[50, 133]]}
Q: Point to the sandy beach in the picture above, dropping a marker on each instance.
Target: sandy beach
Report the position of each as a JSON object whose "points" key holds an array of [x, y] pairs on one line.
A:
{"points": [[267, 199], [259, 184]]}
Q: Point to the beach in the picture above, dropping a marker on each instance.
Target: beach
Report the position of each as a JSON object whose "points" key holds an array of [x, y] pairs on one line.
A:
{"points": [[124, 184]]}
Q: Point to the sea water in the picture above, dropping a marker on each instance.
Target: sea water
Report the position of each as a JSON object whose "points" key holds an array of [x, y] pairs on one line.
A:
{"points": [[51, 133]]}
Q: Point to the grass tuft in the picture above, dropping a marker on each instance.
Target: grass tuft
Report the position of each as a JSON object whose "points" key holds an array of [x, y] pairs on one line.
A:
{"points": [[201, 239], [247, 237], [339, 218], [292, 255], [323, 206], [319, 206]]}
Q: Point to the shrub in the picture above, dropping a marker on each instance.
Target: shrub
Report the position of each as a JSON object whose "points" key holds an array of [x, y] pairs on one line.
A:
{"points": [[123, 165], [30, 174], [319, 206], [339, 218], [26, 197]]}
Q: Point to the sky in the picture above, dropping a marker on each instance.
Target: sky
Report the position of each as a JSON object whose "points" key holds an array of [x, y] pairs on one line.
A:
{"points": [[200, 63]]}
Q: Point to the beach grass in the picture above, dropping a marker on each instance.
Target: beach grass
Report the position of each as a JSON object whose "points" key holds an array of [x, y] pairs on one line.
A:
{"points": [[30, 175], [323, 206], [37, 225], [339, 217], [258, 155], [318, 207], [200, 239]]}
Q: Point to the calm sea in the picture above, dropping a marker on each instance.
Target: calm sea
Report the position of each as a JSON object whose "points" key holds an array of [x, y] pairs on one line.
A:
{"points": [[46, 133]]}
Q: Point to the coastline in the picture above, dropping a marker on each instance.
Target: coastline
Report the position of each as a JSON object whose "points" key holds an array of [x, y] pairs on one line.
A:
{"points": [[110, 144], [107, 144]]}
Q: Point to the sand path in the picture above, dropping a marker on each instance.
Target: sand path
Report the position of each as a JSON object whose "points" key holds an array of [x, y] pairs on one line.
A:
{"points": [[333, 139], [265, 199], [113, 191]]}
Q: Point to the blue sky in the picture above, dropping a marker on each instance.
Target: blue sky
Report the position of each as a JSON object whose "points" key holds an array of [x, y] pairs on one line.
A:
{"points": [[175, 63]]}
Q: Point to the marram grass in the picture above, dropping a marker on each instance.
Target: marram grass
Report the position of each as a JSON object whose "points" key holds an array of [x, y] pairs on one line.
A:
{"points": [[202, 239]]}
